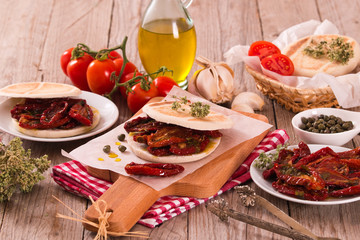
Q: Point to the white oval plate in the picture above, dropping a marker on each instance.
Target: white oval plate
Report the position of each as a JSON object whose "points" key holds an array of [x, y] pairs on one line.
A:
{"points": [[257, 177], [109, 113]]}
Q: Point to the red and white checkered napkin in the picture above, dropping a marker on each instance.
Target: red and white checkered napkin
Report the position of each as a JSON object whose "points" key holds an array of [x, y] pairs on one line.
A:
{"points": [[73, 177]]}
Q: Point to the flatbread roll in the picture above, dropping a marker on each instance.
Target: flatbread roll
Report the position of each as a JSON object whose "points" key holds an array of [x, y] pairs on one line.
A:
{"points": [[308, 66], [59, 133], [140, 150], [40, 90], [162, 112]]}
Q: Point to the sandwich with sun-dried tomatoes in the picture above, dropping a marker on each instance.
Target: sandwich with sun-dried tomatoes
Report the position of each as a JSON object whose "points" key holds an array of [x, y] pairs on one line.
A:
{"points": [[50, 110], [175, 133]]}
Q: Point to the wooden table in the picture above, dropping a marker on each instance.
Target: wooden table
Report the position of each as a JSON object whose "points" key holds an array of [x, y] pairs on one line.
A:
{"points": [[34, 34]]}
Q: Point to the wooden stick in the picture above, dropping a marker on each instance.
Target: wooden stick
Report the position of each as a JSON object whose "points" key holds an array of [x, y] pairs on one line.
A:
{"points": [[284, 231]]}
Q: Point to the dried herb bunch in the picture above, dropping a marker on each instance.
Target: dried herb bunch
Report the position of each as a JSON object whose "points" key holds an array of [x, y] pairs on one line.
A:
{"points": [[18, 169]]}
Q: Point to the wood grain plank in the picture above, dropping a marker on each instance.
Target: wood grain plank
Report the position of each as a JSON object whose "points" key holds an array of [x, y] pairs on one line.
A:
{"points": [[42, 30]]}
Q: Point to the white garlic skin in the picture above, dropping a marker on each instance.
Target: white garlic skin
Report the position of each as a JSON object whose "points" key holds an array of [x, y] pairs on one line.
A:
{"points": [[242, 107], [251, 99]]}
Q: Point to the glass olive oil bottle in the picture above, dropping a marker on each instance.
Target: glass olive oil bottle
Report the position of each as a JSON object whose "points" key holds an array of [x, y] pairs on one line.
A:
{"points": [[167, 39]]}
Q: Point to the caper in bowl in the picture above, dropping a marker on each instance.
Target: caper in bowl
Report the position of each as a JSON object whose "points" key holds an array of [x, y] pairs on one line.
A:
{"points": [[330, 126]]}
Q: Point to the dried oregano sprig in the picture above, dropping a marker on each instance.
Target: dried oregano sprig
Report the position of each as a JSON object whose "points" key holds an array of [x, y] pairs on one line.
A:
{"points": [[266, 160], [197, 109], [18, 169]]}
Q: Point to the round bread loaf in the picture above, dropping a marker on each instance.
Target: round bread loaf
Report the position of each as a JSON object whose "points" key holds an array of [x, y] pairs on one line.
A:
{"points": [[308, 66], [162, 112]]}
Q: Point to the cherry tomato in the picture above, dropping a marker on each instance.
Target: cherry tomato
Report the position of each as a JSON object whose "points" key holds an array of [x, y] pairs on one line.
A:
{"points": [[164, 85], [139, 97], [263, 49], [129, 67], [126, 78], [98, 76], [278, 63], [76, 70], [65, 59], [114, 55]]}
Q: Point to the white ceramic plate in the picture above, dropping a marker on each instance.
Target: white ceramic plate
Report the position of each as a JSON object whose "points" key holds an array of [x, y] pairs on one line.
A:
{"points": [[108, 116], [256, 175]]}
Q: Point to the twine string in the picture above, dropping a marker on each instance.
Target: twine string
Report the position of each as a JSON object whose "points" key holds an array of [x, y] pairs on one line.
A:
{"points": [[102, 233]]}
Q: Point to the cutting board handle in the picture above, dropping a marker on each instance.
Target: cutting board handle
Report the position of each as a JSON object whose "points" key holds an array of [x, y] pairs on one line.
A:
{"points": [[127, 207]]}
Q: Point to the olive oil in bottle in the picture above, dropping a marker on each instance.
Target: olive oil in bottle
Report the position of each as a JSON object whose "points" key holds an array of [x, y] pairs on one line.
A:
{"points": [[169, 42]]}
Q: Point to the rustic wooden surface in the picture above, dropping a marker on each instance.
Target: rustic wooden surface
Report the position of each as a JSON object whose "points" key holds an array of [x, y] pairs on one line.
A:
{"points": [[33, 35]]}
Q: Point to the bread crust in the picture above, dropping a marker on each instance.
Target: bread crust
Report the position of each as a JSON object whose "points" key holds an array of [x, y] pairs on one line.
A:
{"points": [[40, 90], [162, 112], [308, 66]]}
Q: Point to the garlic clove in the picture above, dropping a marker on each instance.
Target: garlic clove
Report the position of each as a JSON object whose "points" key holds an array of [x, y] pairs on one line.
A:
{"points": [[206, 85], [242, 107], [249, 98]]}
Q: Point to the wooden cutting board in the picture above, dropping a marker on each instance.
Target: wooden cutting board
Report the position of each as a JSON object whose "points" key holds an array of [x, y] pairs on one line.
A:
{"points": [[128, 199]]}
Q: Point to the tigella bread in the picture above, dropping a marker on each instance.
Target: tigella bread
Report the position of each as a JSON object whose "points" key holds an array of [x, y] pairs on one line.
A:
{"points": [[171, 135], [50, 110], [332, 54]]}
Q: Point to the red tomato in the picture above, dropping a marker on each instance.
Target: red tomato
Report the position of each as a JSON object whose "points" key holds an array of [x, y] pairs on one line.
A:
{"points": [[129, 67], [76, 70], [263, 49], [126, 78], [65, 59], [164, 85], [139, 97], [98, 76], [114, 55], [278, 63]]}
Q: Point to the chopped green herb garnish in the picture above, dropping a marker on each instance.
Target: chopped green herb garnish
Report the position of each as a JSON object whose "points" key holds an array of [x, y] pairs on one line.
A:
{"points": [[336, 51], [197, 109]]}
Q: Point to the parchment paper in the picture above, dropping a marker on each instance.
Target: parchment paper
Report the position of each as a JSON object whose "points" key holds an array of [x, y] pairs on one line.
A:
{"points": [[244, 129], [346, 87]]}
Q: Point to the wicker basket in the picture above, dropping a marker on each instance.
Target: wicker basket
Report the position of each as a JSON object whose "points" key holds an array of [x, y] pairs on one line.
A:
{"points": [[294, 99]]}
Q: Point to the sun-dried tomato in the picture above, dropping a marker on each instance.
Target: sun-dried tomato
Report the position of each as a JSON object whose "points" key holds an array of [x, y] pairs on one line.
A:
{"points": [[82, 113], [55, 112], [154, 169]]}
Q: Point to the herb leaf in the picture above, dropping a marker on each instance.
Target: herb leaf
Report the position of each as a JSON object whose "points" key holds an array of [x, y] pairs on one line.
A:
{"points": [[197, 109], [336, 51], [266, 160]]}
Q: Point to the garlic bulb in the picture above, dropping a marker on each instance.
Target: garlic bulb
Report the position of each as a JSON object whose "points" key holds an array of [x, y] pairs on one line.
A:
{"points": [[214, 82], [251, 99]]}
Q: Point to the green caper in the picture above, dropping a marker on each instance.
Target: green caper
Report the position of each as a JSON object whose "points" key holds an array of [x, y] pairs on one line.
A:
{"points": [[327, 130], [122, 148], [325, 124], [321, 126], [106, 149], [347, 125], [121, 137]]}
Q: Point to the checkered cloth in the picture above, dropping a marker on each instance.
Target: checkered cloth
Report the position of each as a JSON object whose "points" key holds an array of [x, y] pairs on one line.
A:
{"points": [[73, 177]]}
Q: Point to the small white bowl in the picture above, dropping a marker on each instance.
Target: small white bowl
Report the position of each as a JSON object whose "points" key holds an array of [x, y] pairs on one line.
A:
{"points": [[337, 139]]}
